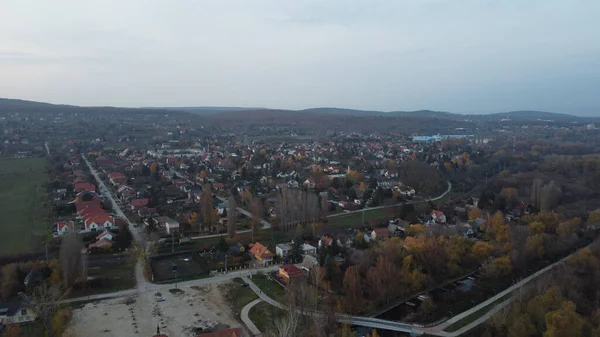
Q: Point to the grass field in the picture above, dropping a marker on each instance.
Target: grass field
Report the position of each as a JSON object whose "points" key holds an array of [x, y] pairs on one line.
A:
{"points": [[22, 192], [263, 315]]}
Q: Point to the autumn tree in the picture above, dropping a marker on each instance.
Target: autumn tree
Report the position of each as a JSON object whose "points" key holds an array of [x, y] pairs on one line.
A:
{"points": [[481, 250], [499, 266], [47, 300], [564, 322], [70, 257], [231, 216], [535, 246], [10, 280], [352, 290], [474, 214]]}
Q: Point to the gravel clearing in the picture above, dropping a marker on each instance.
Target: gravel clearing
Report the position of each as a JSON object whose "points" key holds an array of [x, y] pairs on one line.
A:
{"points": [[183, 313]]}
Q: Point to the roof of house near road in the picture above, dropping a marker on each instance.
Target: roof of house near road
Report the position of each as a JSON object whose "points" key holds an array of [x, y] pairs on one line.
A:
{"points": [[284, 246], [99, 218], [309, 262], [9, 308], [102, 243], [63, 224], [79, 187], [437, 214], [381, 232], [291, 270], [105, 234], [139, 203], [232, 332], [260, 251]]}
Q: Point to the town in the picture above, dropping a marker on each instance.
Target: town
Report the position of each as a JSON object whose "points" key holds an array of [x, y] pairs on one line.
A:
{"points": [[143, 222]]}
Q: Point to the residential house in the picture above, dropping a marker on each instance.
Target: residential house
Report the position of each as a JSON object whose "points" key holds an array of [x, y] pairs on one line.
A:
{"points": [[380, 233], [83, 186], [325, 241], [395, 230], [308, 250], [289, 273], [98, 221], [63, 227], [309, 263], [172, 226], [126, 192], [261, 253], [103, 241], [15, 313], [292, 184], [137, 204], [438, 216], [283, 250], [117, 178]]}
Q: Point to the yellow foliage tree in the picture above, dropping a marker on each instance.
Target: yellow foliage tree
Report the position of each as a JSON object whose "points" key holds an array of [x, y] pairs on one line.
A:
{"points": [[474, 214], [481, 250]]}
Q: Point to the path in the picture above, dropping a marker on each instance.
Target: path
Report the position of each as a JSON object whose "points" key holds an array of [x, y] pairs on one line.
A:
{"points": [[147, 286], [395, 205], [246, 319], [142, 284]]}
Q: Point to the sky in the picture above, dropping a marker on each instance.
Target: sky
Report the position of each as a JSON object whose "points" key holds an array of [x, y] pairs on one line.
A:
{"points": [[470, 56]]}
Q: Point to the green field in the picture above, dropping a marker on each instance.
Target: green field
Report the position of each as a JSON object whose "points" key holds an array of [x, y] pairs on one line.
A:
{"points": [[22, 193]]}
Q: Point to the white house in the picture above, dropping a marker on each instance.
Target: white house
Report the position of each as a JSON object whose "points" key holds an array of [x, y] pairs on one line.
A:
{"points": [[308, 250], [98, 222], [283, 250], [64, 227], [172, 226], [438, 216], [15, 313]]}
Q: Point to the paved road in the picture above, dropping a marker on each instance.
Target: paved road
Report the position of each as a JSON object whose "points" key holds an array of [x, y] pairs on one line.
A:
{"points": [[246, 319], [147, 286], [395, 205], [137, 237]]}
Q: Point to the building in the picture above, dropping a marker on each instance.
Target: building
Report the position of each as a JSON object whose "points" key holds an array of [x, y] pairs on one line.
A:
{"points": [[261, 253], [289, 272], [308, 250], [283, 250], [380, 233], [172, 226], [15, 313], [309, 263]]}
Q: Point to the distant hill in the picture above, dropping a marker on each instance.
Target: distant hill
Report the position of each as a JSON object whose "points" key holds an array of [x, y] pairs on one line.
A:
{"points": [[205, 110], [17, 105]]}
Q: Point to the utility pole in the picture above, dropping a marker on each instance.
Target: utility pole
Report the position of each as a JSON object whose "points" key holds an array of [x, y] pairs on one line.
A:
{"points": [[172, 242]]}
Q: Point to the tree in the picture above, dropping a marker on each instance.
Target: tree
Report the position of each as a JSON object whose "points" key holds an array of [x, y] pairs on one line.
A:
{"points": [[521, 326], [564, 322], [535, 246], [352, 289], [12, 330], [551, 193], [536, 193], [60, 321], [47, 299], [256, 209], [231, 216], [474, 214], [481, 250], [70, 257], [10, 280], [499, 266]]}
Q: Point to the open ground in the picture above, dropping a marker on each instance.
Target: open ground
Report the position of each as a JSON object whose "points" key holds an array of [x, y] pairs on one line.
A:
{"points": [[21, 194]]}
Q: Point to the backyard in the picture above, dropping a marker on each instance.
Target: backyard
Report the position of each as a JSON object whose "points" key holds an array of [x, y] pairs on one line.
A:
{"points": [[22, 193]]}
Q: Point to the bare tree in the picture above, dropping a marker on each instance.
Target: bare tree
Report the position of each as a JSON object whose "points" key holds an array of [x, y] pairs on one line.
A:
{"points": [[70, 258], [550, 195], [207, 205], [47, 301], [295, 206], [536, 192], [286, 326], [231, 216]]}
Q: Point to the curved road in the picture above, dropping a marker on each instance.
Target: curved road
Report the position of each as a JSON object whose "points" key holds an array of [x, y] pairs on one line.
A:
{"points": [[246, 319], [395, 205]]}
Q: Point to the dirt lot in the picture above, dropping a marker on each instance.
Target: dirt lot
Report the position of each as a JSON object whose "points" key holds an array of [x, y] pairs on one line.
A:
{"points": [[187, 313]]}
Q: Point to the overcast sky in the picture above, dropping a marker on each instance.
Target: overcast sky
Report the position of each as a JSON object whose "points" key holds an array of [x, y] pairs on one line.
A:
{"points": [[452, 55]]}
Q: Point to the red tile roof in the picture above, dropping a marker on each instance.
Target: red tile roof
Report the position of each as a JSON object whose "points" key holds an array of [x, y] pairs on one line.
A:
{"points": [[260, 251], [292, 270]]}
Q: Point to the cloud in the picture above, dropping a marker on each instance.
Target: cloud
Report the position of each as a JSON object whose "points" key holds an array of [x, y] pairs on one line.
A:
{"points": [[466, 55]]}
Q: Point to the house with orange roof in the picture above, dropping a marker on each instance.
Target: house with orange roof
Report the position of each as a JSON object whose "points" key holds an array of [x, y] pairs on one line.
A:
{"points": [[98, 222], [62, 227], [232, 332], [261, 253]]}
